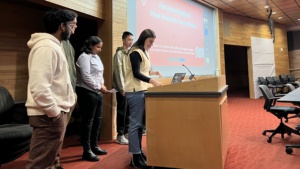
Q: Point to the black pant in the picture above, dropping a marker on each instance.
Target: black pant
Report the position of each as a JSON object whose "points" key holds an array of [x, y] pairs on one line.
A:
{"points": [[90, 104], [122, 115]]}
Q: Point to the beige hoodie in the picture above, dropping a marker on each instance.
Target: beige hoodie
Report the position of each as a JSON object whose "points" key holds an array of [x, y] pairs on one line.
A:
{"points": [[49, 87]]}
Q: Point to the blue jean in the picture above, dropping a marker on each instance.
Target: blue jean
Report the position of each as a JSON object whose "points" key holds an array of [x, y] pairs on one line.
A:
{"points": [[136, 103]]}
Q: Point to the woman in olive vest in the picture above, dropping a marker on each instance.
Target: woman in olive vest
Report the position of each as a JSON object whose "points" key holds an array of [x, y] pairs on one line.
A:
{"points": [[137, 80]]}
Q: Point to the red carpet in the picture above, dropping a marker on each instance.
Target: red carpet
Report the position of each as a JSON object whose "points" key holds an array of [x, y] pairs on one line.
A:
{"points": [[248, 148], [120, 159]]}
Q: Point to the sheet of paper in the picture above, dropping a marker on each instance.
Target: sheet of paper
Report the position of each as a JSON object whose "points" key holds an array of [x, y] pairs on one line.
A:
{"points": [[112, 90]]}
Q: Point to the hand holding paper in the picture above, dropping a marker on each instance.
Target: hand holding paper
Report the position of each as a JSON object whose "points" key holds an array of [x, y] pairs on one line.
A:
{"points": [[112, 90]]}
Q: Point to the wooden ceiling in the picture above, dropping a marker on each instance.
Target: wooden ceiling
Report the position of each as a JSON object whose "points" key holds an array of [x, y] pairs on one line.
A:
{"points": [[288, 10]]}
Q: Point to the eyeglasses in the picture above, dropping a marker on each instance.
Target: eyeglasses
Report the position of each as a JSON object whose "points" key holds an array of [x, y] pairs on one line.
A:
{"points": [[71, 24]]}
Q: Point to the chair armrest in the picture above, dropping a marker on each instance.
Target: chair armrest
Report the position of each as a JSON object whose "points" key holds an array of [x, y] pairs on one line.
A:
{"points": [[275, 98], [278, 96]]}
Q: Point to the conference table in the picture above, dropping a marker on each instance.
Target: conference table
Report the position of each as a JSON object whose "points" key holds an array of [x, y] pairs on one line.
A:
{"points": [[291, 97]]}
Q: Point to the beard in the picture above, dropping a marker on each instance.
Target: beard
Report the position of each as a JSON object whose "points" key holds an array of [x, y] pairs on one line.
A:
{"points": [[66, 34]]}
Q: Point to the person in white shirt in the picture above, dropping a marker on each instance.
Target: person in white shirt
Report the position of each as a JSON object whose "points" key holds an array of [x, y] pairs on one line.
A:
{"points": [[89, 88]]}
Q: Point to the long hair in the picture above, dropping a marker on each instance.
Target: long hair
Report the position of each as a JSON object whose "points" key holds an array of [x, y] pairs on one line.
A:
{"points": [[147, 33], [91, 41]]}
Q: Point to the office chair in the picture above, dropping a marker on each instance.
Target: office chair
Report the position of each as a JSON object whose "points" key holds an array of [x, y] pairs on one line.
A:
{"points": [[263, 81], [15, 132], [291, 88], [284, 79], [279, 111], [279, 84], [275, 83], [270, 84], [288, 147], [293, 80]]}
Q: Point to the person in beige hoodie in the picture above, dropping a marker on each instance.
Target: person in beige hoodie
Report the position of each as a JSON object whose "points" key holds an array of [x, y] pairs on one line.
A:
{"points": [[50, 94]]}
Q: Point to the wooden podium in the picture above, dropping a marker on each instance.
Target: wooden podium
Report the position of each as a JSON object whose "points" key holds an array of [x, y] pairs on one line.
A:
{"points": [[186, 124]]}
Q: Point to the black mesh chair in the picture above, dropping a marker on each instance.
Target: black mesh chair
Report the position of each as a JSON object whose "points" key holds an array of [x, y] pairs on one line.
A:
{"points": [[274, 85], [263, 81], [279, 111], [15, 132], [293, 80], [283, 78], [289, 147]]}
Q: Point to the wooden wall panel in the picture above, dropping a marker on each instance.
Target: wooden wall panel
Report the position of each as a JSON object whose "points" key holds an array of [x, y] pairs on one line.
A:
{"points": [[105, 33], [94, 8], [17, 24], [241, 30], [221, 63], [295, 63], [119, 25], [19, 19], [240, 33], [119, 22]]}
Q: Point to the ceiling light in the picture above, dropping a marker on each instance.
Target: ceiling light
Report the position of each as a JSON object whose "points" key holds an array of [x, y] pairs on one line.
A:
{"points": [[267, 6], [279, 17], [273, 13], [298, 19]]}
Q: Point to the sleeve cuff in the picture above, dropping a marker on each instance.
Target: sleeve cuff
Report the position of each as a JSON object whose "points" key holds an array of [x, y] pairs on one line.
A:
{"points": [[53, 112]]}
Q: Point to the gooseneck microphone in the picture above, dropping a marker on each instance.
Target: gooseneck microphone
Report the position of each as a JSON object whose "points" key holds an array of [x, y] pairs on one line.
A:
{"points": [[192, 75]]}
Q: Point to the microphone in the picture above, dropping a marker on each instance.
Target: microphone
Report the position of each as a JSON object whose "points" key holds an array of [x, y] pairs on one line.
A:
{"points": [[192, 75]]}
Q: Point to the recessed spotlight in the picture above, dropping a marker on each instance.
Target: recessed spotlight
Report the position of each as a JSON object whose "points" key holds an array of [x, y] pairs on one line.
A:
{"points": [[267, 6], [274, 13], [279, 17], [298, 19]]}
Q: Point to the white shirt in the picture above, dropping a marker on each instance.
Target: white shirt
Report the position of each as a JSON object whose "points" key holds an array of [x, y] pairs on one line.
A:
{"points": [[89, 72]]}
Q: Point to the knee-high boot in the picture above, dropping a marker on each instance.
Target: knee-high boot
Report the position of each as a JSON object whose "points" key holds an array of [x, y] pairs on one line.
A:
{"points": [[85, 141], [140, 142], [95, 134]]}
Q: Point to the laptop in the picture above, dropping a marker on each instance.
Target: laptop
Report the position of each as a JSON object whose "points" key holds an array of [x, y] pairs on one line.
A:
{"points": [[177, 78]]}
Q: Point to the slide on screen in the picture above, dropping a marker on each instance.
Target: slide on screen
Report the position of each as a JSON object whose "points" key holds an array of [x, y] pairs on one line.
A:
{"points": [[185, 34]]}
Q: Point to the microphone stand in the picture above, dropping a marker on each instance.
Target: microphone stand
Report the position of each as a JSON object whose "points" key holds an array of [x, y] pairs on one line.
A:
{"points": [[192, 75]]}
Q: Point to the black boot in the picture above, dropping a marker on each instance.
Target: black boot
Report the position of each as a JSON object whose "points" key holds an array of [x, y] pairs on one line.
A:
{"points": [[90, 156], [144, 156], [98, 151], [138, 161]]}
